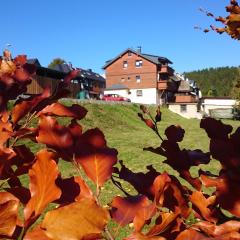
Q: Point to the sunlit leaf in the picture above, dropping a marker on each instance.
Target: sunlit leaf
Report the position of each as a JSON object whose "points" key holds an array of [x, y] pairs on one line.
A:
{"points": [[58, 109], [42, 184], [79, 220], [95, 157], [8, 213]]}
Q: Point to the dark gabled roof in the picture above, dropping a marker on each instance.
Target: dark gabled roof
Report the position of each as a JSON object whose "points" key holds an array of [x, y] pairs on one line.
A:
{"points": [[82, 74], [34, 61], [152, 58], [117, 87]]}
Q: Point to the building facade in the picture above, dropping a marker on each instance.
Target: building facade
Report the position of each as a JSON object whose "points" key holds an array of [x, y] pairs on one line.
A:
{"points": [[143, 78]]}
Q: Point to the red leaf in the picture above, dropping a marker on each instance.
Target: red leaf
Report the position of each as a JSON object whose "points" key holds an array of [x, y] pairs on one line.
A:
{"points": [[190, 234], [75, 111], [42, 184], [140, 236], [53, 135], [8, 213], [95, 157], [125, 209]]}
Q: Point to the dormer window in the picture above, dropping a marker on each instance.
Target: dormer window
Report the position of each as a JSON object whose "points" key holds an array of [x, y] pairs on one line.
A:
{"points": [[138, 63], [125, 64]]}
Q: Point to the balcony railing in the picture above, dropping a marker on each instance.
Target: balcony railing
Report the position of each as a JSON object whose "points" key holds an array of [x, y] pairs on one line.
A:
{"points": [[166, 70], [166, 85], [185, 99]]}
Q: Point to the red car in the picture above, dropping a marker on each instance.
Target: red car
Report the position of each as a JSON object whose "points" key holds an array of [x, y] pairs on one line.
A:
{"points": [[115, 97]]}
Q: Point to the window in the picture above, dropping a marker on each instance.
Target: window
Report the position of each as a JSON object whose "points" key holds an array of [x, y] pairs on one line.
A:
{"points": [[125, 64], [129, 79], [138, 78], [138, 63], [129, 54], [122, 79], [139, 93], [183, 108]]}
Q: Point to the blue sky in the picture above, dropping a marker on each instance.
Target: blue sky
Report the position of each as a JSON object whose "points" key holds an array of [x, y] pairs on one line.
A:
{"points": [[87, 33]]}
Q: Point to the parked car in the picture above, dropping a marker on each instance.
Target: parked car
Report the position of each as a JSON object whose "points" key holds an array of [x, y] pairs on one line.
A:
{"points": [[115, 97]]}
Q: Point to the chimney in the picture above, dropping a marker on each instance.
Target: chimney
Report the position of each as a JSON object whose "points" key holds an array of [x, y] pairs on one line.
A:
{"points": [[139, 49]]}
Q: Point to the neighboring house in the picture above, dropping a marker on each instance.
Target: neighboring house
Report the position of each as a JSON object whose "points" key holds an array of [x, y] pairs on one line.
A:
{"points": [[221, 107], [86, 85], [143, 78]]}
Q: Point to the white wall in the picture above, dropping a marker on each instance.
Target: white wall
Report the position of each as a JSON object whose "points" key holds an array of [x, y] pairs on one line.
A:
{"points": [[208, 104], [191, 110], [149, 95]]}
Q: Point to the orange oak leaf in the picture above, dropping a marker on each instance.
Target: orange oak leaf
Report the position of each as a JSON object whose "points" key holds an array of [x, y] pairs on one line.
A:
{"points": [[42, 184], [95, 157], [58, 109], [8, 213], [23, 107], [125, 209], [202, 204], [79, 220]]}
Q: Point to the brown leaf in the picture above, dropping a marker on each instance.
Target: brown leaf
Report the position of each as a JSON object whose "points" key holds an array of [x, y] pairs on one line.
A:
{"points": [[175, 133], [58, 109], [54, 135], [5, 131], [8, 213], [79, 220], [42, 184], [166, 221], [213, 230], [125, 209], [95, 157]]}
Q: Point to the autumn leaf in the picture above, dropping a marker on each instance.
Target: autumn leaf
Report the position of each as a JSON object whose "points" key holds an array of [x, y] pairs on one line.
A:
{"points": [[125, 209], [95, 157], [75, 111], [79, 220], [140, 236], [23, 106], [190, 234], [202, 204], [42, 184], [36, 234], [73, 189], [54, 135], [166, 221], [8, 213]]}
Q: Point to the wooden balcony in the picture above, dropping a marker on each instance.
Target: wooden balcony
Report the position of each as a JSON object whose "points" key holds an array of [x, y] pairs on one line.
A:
{"points": [[166, 85], [185, 99], [166, 70]]}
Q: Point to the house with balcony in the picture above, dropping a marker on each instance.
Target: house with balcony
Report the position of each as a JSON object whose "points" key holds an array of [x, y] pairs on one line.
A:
{"points": [[141, 77]]}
